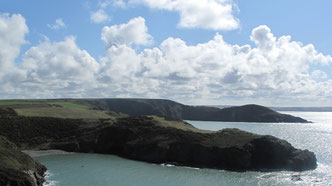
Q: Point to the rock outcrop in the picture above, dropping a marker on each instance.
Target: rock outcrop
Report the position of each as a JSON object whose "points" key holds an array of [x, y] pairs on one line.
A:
{"points": [[17, 168], [231, 149]]}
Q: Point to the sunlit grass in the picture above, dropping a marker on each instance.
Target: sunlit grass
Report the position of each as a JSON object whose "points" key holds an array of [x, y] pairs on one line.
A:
{"points": [[70, 104], [178, 124], [18, 102], [63, 112]]}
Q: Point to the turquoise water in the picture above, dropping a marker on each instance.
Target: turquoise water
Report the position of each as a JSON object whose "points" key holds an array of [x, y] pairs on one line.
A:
{"points": [[97, 170]]}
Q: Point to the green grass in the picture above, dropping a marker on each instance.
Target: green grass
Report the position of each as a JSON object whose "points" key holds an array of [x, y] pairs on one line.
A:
{"points": [[59, 109], [70, 104], [64, 112], [160, 121], [18, 102]]}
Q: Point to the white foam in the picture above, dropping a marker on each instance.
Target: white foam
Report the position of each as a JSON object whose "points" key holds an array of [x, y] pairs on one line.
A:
{"points": [[49, 182], [167, 165]]}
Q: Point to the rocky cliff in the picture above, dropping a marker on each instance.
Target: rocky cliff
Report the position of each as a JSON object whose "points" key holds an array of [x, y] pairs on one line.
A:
{"points": [[17, 168], [158, 140], [231, 149]]}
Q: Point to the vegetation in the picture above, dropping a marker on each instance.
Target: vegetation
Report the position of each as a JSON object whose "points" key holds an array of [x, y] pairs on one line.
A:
{"points": [[17, 168], [55, 108], [160, 107], [18, 102], [64, 112], [62, 103], [178, 124], [70, 104], [91, 126], [87, 108], [150, 138]]}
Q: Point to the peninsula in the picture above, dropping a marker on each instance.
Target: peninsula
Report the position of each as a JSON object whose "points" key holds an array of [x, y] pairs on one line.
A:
{"points": [[158, 137]]}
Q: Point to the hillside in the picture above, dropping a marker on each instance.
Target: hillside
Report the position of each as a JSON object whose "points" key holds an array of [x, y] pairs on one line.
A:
{"points": [[108, 108], [161, 107]]}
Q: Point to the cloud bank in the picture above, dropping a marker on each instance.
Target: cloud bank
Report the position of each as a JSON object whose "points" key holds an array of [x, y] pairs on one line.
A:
{"points": [[277, 71]]}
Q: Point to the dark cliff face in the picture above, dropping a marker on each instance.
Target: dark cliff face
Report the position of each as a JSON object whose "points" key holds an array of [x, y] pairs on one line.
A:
{"points": [[158, 140], [231, 149], [160, 107], [17, 168]]}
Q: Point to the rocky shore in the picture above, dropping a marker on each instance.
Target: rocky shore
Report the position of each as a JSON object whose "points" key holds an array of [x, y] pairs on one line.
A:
{"points": [[17, 168], [140, 138], [158, 140]]}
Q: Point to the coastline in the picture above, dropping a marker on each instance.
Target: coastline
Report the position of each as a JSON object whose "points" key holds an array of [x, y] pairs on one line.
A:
{"points": [[38, 153]]}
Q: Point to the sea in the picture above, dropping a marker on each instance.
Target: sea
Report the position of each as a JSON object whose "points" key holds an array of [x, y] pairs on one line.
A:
{"points": [[77, 169]]}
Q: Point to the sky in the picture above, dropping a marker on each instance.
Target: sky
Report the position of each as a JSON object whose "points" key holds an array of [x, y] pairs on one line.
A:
{"points": [[202, 52]]}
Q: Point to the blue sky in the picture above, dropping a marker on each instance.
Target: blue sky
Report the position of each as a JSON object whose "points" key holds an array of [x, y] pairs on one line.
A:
{"points": [[305, 21], [287, 74]]}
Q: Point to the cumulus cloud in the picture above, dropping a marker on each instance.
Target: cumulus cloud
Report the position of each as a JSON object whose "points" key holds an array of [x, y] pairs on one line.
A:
{"points": [[133, 32], [99, 16], [263, 37], [207, 14], [57, 25], [275, 71], [61, 67], [12, 31]]}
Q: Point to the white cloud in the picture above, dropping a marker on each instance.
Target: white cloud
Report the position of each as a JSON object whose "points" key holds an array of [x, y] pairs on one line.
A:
{"points": [[57, 25], [116, 3], [263, 37], [319, 75], [133, 32], [207, 14], [100, 16], [275, 71], [12, 31], [52, 70], [61, 68]]}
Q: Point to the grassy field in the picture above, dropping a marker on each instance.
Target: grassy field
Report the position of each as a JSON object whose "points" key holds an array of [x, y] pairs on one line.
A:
{"points": [[69, 104], [64, 112], [178, 125], [57, 108], [18, 102], [62, 103]]}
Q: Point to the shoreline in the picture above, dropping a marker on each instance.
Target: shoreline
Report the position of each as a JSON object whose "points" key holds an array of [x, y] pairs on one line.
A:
{"points": [[39, 153]]}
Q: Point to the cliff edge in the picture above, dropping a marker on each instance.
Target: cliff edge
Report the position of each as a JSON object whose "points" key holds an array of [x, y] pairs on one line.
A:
{"points": [[17, 168]]}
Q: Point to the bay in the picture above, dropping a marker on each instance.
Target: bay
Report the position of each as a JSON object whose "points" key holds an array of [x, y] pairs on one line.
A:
{"points": [[95, 169]]}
